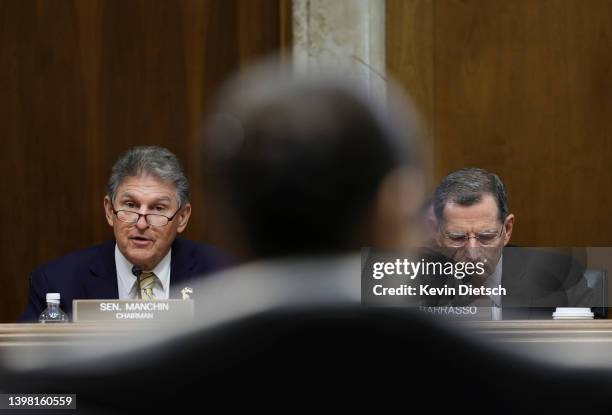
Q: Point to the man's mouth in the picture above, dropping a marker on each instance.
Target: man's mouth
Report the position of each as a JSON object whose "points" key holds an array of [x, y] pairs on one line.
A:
{"points": [[140, 241]]}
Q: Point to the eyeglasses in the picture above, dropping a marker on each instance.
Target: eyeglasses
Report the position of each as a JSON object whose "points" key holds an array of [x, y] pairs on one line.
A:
{"points": [[152, 219], [458, 239]]}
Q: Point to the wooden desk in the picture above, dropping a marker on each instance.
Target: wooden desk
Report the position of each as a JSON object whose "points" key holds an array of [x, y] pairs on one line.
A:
{"points": [[567, 342], [544, 330], [12, 335], [575, 343], [33, 346], [511, 331]]}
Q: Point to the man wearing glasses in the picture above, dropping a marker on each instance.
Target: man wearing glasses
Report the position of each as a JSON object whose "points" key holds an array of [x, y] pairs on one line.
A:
{"points": [[147, 205], [471, 211], [475, 225]]}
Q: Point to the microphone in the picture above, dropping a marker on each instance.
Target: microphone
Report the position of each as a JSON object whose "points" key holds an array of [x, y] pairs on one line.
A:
{"points": [[136, 270]]}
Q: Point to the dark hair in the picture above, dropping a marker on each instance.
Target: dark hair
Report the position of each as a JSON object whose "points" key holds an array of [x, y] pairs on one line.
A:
{"points": [[153, 160], [301, 161], [466, 188]]}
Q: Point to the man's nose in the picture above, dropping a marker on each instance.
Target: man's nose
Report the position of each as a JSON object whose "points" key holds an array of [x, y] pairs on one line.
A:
{"points": [[142, 223], [472, 243], [473, 252]]}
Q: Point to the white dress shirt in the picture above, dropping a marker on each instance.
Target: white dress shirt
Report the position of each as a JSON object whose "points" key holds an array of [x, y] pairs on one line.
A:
{"points": [[495, 280], [126, 281]]}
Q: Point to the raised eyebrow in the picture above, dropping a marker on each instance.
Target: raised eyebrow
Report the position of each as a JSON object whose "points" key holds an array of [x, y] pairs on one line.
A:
{"points": [[127, 195], [161, 199]]}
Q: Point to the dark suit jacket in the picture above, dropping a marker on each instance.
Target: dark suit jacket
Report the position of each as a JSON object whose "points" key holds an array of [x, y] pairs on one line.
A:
{"points": [[539, 280], [536, 281], [91, 273]]}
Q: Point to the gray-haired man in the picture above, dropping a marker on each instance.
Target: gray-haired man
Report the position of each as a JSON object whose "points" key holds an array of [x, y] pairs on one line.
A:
{"points": [[147, 205], [474, 225]]}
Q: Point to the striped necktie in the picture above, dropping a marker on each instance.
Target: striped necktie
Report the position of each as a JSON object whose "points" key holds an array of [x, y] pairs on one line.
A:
{"points": [[147, 281]]}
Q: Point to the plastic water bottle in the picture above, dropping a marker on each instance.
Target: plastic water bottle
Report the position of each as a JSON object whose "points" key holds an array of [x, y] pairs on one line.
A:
{"points": [[53, 313]]}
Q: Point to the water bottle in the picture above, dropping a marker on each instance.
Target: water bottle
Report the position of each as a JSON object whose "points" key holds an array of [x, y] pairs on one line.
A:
{"points": [[53, 313]]}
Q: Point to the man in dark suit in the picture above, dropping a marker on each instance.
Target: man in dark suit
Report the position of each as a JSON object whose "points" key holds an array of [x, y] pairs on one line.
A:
{"points": [[147, 206], [475, 225]]}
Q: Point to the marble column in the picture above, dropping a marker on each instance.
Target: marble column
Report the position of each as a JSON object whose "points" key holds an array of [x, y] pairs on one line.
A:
{"points": [[346, 35]]}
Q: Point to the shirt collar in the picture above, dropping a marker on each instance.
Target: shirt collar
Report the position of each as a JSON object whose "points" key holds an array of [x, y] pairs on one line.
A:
{"points": [[124, 269], [495, 280]]}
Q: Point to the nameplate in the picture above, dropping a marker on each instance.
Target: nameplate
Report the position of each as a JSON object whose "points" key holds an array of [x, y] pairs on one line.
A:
{"points": [[132, 310], [460, 313]]}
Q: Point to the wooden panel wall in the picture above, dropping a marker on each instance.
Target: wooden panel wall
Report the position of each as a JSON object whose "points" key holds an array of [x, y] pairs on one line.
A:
{"points": [[81, 81], [521, 88]]}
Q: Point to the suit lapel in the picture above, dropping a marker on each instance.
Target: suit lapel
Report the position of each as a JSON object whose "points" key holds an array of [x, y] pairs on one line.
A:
{"points": [[182, 265], [514, 272], [102, 281]]}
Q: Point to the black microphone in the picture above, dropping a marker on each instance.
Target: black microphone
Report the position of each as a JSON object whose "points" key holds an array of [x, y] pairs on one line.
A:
{"points": [[136, 270]]}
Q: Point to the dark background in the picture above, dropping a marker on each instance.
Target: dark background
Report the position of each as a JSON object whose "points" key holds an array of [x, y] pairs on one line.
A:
{"points": [[521, 88]]}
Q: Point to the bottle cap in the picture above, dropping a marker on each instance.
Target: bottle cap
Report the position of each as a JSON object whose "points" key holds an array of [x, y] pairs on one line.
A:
{"points": [[54, 297]]}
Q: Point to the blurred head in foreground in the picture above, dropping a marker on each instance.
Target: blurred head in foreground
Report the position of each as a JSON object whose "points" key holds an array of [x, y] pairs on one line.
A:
{"points": [[310, 165]]}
